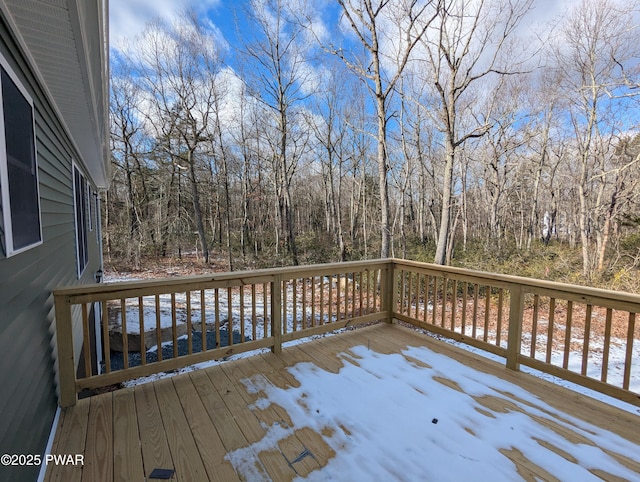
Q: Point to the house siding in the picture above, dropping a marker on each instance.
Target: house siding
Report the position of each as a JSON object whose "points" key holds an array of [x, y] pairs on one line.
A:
{"points": [[27, 342]]}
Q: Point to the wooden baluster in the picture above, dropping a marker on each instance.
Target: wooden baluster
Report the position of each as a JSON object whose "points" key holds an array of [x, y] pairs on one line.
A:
{"points": [[242, 337], [158, 328], [419, 295], [401, 298], [105, 337], [284, 306], [361, 292], [585, 342], [304, 303], [443, 313], [534, 325], [86, 339], [607, 346], [321, 314], [500, 307], [229, 316], [464, 308], [216, 292], [276, 314], [550, 328], [254, 314], [174, 324], [338, 296], [454, 305], [265, 309], [203, 320], [409, 292], [427, 282], [313, 301], [189, 323], [353, 295], [125, 337], [629, 354], [330, 302], [567, 339], [368, 278], [294, 290], [143, 345], [487, 311], [374, 279], [435, 300], [476, 295]]}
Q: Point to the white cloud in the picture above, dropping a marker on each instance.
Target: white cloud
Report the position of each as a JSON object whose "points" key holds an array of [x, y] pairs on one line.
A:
{"points": [[127, 18]]}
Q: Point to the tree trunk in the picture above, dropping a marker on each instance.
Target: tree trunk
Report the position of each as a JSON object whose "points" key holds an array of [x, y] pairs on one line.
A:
{"points": [[383, 183], [196, 208], [445, 215]]}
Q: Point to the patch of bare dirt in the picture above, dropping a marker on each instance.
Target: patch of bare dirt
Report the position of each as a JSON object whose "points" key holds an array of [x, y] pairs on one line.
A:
{"points": [[150, 268]]}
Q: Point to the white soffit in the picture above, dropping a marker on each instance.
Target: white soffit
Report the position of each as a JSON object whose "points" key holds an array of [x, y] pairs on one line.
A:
{"points": [[66, 40]]}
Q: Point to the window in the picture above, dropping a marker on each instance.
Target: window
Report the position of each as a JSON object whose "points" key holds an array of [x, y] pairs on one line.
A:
{"points": [[97, 217], [81, 207], [18, 167], [90, 206]]}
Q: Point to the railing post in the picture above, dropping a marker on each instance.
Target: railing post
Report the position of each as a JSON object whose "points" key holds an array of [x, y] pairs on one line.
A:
{"points": [[388, 285], [276, 314], [66, 363], [516, 315]]}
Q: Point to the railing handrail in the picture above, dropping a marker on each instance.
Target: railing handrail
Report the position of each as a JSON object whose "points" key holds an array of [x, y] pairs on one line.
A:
{"points": [[266, 274], [344, 267], [492, 278]]}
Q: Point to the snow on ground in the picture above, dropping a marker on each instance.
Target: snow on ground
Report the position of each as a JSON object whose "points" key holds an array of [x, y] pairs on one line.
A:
{"points": [[166, 316], [389, 418]]}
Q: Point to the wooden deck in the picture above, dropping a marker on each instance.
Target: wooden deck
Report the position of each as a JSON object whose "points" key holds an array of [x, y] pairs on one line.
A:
{"points": [[191, 422]]}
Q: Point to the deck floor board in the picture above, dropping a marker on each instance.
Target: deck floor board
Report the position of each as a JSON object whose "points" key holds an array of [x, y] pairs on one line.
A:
{"points": [[127, 453], [204, 423], [99, 467], [153, 438]]}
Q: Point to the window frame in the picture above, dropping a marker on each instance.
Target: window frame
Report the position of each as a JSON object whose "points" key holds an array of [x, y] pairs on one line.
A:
{"points": [[5, 217], [80, 237], [97, 217], [89, 190]]}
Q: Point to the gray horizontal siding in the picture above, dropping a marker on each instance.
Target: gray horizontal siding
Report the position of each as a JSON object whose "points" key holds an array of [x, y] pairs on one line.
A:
{"points": [[27, 380]]}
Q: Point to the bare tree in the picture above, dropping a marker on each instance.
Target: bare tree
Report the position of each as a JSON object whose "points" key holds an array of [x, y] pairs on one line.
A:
{"points": [[280, 79], [597, 40], [464, 46], [179, 64], [375, 23], [127, 139]]}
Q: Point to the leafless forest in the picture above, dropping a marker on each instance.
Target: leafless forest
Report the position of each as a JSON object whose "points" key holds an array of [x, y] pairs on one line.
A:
{"points": [[440, 130]]}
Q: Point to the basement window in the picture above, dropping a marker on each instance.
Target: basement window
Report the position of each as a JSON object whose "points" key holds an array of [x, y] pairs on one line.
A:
{"points": [[21, 224]]}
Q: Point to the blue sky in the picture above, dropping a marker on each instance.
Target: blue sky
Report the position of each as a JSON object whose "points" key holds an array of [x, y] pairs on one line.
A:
{"points": [[128, 17]]}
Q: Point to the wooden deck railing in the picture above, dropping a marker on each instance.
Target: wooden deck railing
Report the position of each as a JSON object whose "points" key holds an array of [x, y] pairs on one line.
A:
{"points": [[207, 317], [568, 331]]}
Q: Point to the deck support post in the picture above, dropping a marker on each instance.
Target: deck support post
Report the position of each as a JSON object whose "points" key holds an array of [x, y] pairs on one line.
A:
{"points": [[276, 314], [388, 295], [516, 315], [66, 362]]}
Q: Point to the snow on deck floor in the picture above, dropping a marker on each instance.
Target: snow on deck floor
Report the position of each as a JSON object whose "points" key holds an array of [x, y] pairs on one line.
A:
{"points": [[390, 417]]}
